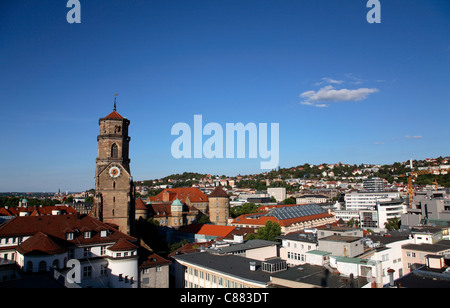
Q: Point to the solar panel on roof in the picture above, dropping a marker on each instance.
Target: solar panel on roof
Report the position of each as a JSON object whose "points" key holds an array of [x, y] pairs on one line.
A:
{"points": [[295, 211]]}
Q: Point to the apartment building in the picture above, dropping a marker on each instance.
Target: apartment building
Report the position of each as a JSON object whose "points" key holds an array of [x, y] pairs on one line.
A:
{"points": [[104, 256], [360, 200], [295, 246], [414, 254]]}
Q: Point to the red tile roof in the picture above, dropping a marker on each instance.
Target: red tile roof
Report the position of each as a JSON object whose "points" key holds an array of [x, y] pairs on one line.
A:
{"points": [[41, 243], [37, 211], [56, 226], [182, 193], [114, 115], [154, 260], [206, 229], [122, 244], [140, 205]]}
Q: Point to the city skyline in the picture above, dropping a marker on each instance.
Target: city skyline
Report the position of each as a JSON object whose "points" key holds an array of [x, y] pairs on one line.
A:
{"points": [[341, 89]]}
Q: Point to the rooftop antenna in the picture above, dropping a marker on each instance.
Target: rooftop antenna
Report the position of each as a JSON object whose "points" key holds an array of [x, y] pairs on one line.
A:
{"points": [[115, 96]]}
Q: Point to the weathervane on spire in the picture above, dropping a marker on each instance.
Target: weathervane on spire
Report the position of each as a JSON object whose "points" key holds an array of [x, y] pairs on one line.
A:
{"points": [[115, 96]]}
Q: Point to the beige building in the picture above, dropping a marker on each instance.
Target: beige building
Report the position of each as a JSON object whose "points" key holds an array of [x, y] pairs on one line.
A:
{"points": [[279, 193], [343, 246], [173, 214], [416, 253], [219, 206], [310, 199], [154, 272], [190, 196]]}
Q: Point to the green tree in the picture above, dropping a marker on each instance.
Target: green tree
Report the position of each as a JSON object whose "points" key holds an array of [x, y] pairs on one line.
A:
{"points": [[289, 201], [246, 208], [178, 245], [269, 232], [353, 223], [392, 224]]}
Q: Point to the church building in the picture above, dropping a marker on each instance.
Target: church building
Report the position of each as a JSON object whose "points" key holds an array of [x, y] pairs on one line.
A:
{"points": [[114, 190]]}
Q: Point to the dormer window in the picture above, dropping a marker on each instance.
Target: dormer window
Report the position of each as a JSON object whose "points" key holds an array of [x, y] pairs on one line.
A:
{"points": [[69, 236], [103, 233], [87, 234]]}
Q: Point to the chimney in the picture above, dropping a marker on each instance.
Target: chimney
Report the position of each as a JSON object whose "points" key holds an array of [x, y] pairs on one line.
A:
{"points": [[391, 277]]}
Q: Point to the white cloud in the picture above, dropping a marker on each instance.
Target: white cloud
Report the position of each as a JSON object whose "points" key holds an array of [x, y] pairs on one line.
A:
{"points": [[414, 137], [353, 79], [328, 80], [330, 94]]}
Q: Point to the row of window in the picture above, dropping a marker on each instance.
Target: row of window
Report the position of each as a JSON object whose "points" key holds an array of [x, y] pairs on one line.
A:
{"points": [[11, 240], [86, 234], [296, 256], [220, 281], [295, 246]]}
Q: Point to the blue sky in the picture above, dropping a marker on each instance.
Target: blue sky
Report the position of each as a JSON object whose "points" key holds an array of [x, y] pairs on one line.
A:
{"points": [[341, 89]]}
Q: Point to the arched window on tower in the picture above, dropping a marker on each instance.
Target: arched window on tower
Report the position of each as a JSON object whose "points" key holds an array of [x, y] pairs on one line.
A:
{"points": [[114, 151]]}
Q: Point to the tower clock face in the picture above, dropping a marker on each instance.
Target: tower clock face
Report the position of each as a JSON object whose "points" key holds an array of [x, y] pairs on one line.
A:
{"points": [[114, 172]]}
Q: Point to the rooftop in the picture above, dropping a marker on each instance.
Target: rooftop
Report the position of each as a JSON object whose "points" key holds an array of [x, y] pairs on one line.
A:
{"points": [[251, 244], [317, 276], [341, 238], [231, 265]]}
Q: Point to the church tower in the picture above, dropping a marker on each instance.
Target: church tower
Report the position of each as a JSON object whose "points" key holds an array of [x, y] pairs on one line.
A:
{"points": [[114, 191]]}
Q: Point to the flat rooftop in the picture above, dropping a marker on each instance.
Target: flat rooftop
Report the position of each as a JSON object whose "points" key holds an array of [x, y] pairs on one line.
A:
{"points": [[232, 265]]}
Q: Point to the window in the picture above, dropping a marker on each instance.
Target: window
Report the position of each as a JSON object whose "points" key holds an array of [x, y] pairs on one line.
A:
{"points": [[103, 269], [56, 263], [114, 151], [87, 234], [69, 236], [29, 266], [42, 266], [87, 271], [87, 251], [71, 253]]}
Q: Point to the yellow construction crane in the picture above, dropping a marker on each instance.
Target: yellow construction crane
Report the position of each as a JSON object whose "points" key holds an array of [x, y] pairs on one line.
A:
{"points": [[415, 174]]}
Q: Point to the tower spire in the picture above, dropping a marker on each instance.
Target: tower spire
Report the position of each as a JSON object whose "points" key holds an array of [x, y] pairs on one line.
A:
{"points": [[115, 96]]}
